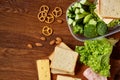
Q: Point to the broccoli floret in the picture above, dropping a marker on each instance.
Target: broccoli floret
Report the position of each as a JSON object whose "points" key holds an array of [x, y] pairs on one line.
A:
{"points": [[90, 31], [102, 28]]}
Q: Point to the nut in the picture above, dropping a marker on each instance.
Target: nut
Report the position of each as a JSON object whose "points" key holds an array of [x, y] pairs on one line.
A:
{"points": [[59, 21], [58, 39], [52, 42], [42, 38], [39, 44], [58, 42], [29, 46]]}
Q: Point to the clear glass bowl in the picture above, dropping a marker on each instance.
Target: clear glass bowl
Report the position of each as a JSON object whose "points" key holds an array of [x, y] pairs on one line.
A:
{"points": [[82, 38]]}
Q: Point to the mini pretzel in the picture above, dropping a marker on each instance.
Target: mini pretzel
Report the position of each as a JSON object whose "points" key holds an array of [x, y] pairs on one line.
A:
{"points": [[47, 31], [57, 12], [44, 8], [49, 18], [41, 16]]}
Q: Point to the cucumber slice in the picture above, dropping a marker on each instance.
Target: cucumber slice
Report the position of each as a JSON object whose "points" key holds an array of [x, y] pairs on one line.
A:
{"points": [[70, 21], [85, 2], [79, 16], [87, 18], [77, 11], [74, 23], [82, 11], [70, 9], [77, 5], [73, 8]]}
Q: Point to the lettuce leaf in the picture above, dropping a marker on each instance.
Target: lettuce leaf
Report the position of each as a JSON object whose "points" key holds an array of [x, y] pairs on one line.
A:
{"points": [[96, 55]]}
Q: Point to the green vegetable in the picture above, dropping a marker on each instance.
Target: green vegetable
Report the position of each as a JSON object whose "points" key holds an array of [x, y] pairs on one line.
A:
{"points": [[90, 31], [79, 16], [82, 10], [70, 14], [77, 29], [92, 22], [70, 21], [74, 23], [77, 11], [96, 55], [114, 23], [82, 13], [101, 28], [87, 18], [77, 5], [92, 7], [85, 2]]}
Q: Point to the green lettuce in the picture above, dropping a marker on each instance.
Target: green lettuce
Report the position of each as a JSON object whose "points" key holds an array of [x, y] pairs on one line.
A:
{"points": [[96, 55]]}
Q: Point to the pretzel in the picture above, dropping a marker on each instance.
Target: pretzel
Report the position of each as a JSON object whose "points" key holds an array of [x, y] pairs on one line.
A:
{"points": [[47, 31], [44, 8], [42, 15], [57, 12], [49, 18]]}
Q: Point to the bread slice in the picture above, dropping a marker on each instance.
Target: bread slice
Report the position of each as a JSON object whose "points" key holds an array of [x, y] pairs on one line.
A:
{"points": [[62, 45], [59, 77], [97, 11], [56, 71], [110, 8], [64, 60]]}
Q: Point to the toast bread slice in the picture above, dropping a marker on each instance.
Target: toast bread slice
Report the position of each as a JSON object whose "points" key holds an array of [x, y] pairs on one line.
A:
{"points": [[62, 45], [56, 71], [63, 58], [109, 8], [59, 77], [97, 11]]}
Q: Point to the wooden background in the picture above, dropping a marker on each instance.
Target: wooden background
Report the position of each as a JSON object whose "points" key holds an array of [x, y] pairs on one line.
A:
{"points": [[19, 26]]}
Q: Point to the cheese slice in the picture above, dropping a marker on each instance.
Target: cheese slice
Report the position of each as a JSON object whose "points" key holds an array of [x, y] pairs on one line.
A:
{"points": [[43, 69]]}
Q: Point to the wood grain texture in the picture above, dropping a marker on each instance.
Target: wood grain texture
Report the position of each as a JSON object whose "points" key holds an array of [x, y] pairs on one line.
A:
{"points": [[19, 26]]}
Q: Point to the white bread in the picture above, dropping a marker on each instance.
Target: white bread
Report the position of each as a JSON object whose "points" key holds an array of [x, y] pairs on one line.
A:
{"points": [[56, 71], [59, 77], [110, 8], [97, 11], [62, 45], [64, 60]]}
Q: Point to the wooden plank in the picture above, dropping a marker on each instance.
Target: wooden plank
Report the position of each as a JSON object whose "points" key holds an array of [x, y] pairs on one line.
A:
{"points": [[19, 26]]}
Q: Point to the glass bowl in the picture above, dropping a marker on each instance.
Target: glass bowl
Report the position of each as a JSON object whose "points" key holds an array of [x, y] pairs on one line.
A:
{"points": [[82, 38]]}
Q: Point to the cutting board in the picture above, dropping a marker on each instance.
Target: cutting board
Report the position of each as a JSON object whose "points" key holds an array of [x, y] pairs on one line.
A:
{"points": [[20, 26]]}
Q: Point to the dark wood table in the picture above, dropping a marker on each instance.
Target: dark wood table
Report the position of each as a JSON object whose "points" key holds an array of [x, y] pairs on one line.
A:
{"points": [[20, 26]]}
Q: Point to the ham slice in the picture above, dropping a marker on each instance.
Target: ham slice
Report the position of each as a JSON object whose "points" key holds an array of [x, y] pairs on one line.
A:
{"points": [[90, 75]]}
